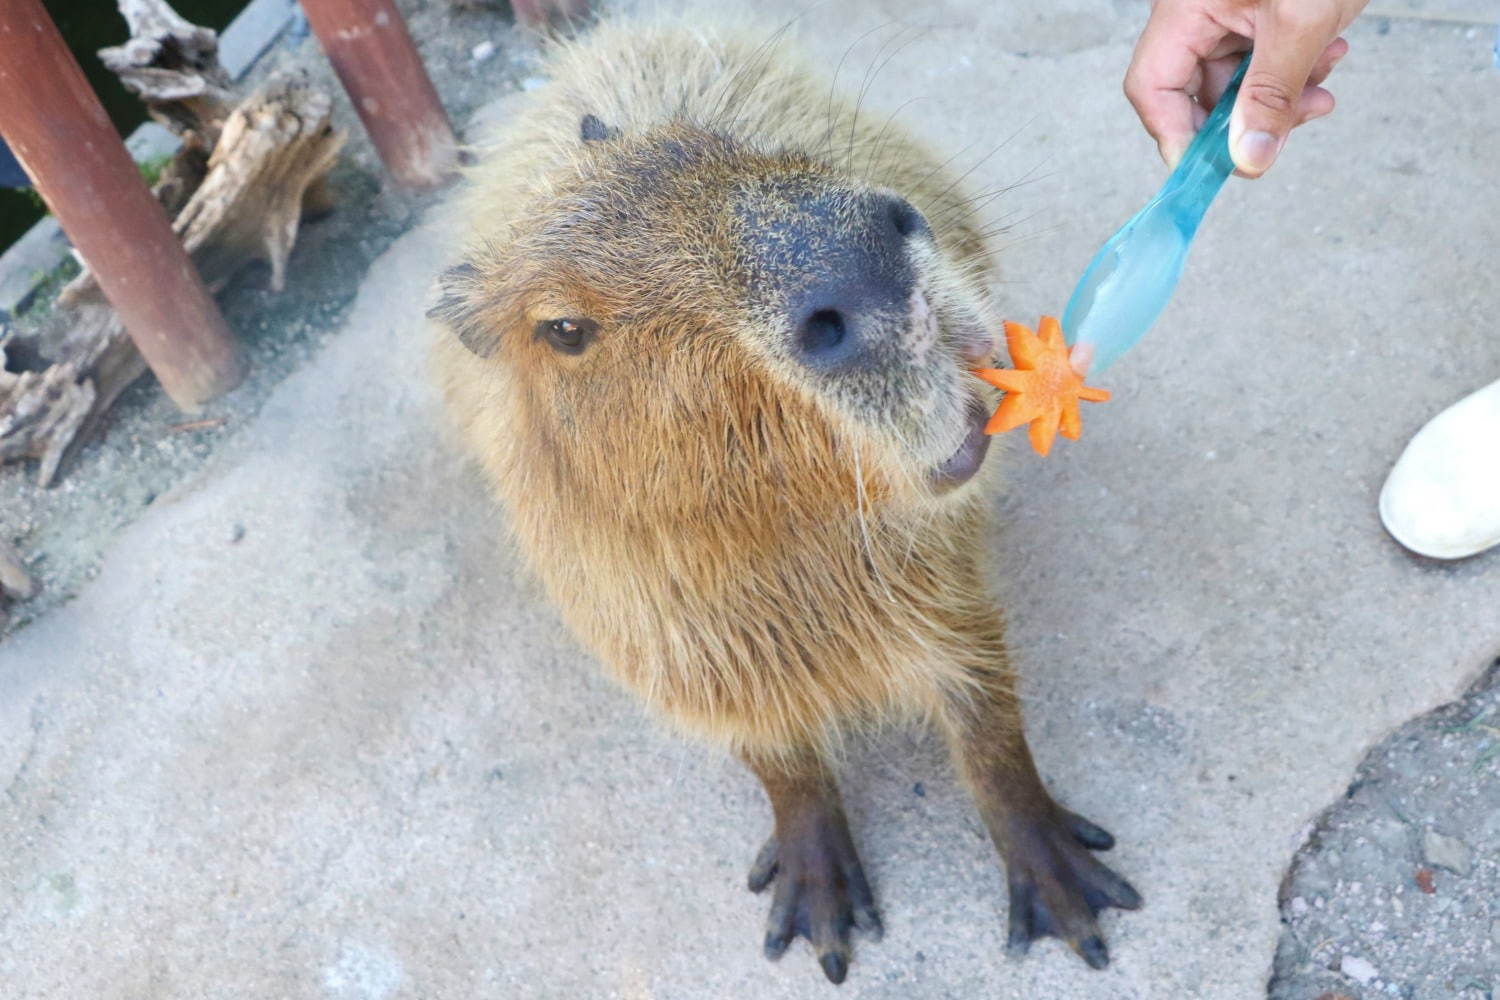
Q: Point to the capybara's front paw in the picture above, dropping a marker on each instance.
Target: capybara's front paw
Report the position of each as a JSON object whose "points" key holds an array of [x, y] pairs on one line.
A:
{"points": [[1058, 887], [821, 890]]}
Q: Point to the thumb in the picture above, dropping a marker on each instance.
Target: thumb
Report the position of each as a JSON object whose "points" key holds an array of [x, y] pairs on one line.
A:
{"points": [[1288, 41]]}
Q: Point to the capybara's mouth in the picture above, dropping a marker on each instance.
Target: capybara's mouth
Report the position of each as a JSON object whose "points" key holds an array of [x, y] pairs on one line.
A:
{"points": [[977, 346], [960, 467]]}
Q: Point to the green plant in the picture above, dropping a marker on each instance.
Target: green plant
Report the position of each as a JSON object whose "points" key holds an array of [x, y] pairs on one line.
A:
{"points": [[151, 169]]}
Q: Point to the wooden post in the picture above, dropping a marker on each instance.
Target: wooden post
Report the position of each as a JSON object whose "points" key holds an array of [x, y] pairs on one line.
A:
{"points": [[539, 15], [371, 51], [56, 127]]}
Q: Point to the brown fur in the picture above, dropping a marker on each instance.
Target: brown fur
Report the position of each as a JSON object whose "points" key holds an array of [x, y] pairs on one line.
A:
{"points": [[756, 552], [685, 505]]}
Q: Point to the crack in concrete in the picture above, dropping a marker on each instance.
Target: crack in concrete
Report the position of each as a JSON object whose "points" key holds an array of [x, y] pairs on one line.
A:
{"points": [[29, 755]]}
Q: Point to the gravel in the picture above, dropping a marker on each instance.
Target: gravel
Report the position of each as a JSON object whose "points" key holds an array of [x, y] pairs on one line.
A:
{"points": [[1396, 892]]}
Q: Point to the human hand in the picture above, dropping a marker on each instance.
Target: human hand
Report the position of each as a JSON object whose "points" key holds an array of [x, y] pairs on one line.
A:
{"points": [[1190, 48]]}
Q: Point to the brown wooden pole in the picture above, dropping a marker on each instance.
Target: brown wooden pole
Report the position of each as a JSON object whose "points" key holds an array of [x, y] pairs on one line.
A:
{"points": [[538, 15], [60, 133], [373, 54]]}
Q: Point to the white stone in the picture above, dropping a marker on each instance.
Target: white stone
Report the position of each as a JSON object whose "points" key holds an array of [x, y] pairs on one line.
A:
{"points": [[482, 51], [1442, 498], [1358, 969], [1443, 851]]}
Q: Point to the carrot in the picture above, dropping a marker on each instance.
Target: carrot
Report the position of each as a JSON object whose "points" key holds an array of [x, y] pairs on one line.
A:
{"points": [[1043, 389]]}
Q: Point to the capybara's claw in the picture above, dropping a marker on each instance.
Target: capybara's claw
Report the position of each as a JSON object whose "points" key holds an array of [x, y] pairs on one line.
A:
{"points": [[820, 891], [1058, 888]]}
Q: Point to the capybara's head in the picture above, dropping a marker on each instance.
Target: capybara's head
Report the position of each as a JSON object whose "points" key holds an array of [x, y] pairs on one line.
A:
{"points": [[679, 321]]}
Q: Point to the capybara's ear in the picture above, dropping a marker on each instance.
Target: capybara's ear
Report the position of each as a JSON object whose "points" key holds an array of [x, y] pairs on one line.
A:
{"points": [[458, 307], [593, 129]]}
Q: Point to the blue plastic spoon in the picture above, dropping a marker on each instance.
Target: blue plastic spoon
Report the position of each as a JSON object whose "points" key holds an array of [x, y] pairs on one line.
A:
{"points": [[1131, 278]]}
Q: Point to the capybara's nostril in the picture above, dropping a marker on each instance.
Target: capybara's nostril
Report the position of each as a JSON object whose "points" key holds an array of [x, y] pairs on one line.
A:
{"points": [[905, 219], [822, 335], [851, 275]]}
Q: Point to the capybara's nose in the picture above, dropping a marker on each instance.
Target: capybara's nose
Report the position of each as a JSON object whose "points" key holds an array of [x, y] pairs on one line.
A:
{"points": [[859, 294]]}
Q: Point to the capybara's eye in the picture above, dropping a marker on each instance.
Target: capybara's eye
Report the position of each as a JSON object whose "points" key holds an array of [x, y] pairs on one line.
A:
{"points": [[570, 336]]}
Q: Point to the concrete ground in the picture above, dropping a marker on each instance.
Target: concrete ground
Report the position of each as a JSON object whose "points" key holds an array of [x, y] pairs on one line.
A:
{"points": [[309, 733]]}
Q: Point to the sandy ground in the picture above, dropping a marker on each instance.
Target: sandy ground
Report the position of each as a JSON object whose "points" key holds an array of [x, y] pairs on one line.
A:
{"points": [[147, 446], [309, 733]]}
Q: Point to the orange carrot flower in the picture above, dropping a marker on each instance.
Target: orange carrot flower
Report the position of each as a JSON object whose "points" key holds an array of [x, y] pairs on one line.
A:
{"points": [[1043, 389]]}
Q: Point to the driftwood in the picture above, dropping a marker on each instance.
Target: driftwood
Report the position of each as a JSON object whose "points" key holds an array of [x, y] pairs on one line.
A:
{"points": [[41, 412], [173, 66], [15, 584], [237, 189], [273, 152], [273, 148], [80, 363]]}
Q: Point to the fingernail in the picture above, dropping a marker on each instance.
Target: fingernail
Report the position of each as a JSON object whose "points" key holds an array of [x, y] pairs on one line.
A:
{"points": [[1256, 151]]}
